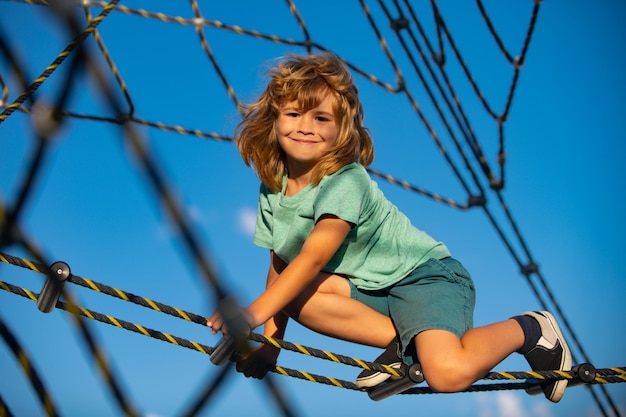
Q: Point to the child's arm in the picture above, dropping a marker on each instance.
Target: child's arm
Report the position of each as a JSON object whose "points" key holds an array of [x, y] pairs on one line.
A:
{"points": [[284, 283], [262, 359], [326, 237]]}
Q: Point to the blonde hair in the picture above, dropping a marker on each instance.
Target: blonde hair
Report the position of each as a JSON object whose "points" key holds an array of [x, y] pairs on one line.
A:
{"points": [[306, 79]]}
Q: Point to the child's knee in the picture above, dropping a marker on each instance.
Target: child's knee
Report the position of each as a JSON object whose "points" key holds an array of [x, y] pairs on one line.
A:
{"points": [[447, 376]]}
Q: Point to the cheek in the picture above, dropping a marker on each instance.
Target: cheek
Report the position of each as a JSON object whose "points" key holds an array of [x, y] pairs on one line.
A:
{"points": [[278, 130], [282, 127], [332, 135]]}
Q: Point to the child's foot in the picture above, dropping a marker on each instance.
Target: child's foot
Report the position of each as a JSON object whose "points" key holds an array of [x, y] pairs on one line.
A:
{"points": [[549, 354], [391, 357]]}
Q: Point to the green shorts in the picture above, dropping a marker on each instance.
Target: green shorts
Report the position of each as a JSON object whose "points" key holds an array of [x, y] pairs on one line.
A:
{"points": [[438, 294]]}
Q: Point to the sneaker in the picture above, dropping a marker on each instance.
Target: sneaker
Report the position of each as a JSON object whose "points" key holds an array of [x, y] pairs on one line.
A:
{"points": [[549, 354], [391, 357]]}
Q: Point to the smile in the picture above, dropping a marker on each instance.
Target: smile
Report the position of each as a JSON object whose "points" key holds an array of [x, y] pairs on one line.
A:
{"points": [[304, 141]]}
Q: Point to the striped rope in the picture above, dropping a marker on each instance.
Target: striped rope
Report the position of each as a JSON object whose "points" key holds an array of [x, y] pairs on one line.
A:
{"points": [[29, 370], [610, 375], [603, 376]]}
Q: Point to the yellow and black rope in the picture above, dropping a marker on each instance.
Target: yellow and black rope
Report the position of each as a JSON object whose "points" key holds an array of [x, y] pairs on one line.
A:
{"points": [[603, 376], [29, 370]]}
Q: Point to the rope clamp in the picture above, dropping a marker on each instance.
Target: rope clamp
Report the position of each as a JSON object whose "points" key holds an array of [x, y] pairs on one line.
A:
{"points": [[53, 287], [238, 332], [399, 24], [413, 376], [585, 373]]}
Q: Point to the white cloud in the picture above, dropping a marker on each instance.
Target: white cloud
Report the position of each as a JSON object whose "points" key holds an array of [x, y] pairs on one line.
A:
{"points": [[484, 405], [246, 217], [541, 408], [166, 229], [194, 214], [509, 404]]}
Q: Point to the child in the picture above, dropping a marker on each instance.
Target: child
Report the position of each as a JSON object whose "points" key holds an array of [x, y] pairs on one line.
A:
{"points": [[345, 262]]}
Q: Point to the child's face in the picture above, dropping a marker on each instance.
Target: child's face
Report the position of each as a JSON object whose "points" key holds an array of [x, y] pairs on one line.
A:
{"points": [[306, 137]]}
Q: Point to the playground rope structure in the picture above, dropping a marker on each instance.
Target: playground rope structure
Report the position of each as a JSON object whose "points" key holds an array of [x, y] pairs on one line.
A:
{"points": [[427, 58], [602, 376]]}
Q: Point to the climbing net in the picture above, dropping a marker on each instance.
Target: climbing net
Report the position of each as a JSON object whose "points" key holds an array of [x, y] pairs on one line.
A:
{"points": [[419, 53]]}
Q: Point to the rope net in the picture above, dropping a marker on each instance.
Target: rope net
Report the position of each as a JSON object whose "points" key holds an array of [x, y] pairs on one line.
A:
{"points": [[108, 77]]}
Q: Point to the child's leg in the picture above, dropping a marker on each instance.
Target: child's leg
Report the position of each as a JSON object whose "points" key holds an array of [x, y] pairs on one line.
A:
{"points": [[451, 364], [327, 308]]}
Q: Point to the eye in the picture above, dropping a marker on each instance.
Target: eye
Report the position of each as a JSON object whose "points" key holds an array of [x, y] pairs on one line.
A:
{"points": [[323, 118]]}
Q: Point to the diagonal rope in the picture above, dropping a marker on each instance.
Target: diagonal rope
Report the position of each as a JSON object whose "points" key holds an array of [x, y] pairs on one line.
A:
{"points": [[29, 370]]}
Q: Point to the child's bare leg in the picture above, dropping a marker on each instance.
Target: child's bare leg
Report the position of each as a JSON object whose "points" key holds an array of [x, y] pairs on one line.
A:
{"points": [[326, 307], [451, 364]]}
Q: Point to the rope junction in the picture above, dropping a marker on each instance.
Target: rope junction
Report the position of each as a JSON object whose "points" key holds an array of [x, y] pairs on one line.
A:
{"points": [[477, 176]]}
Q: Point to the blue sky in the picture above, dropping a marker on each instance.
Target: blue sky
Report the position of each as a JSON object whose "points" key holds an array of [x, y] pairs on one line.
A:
{"points": [[93, 207]]}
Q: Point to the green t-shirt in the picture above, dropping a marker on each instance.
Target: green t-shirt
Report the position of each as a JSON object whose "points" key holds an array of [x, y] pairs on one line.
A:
{"points": [[382, 247]]}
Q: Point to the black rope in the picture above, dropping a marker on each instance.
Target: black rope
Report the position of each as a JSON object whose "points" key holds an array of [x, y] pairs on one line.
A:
{"points": [[29, 369], [616, 374]]}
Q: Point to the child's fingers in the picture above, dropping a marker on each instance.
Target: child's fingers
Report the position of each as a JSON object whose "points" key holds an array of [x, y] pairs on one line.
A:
{"points": [[215, 323]]}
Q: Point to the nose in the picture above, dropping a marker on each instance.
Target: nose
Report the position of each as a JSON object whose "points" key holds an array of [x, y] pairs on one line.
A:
{"points": [[305, 125]]}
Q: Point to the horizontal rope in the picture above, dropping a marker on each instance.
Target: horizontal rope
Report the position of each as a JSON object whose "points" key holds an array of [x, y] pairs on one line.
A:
{"points": [[192, 317], [195, 318], [609, 375], [303, 375]]}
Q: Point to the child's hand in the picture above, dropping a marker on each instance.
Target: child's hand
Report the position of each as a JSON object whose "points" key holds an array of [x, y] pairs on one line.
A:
{"points": [[259, 361], [216, 323]]}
